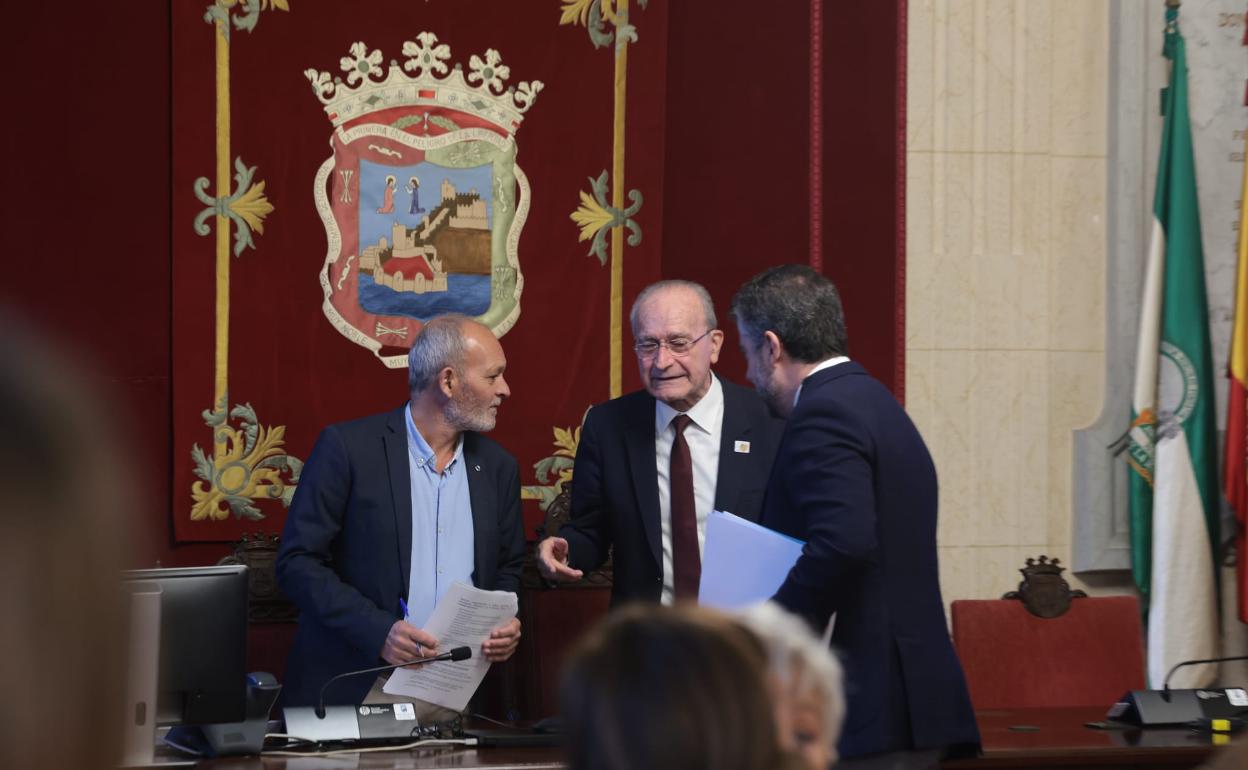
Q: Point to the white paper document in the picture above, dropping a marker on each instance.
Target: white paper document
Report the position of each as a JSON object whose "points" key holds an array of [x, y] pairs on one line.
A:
{"points": [[743, 563], [464, 618]]}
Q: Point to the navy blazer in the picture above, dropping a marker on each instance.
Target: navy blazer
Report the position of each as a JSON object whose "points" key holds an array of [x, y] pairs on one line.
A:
{"points": [[346, 550], [854, 479], [615, 485]]}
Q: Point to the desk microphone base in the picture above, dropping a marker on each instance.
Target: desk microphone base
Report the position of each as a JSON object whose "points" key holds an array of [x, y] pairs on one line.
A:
{"points": [[370, 722], [1154, 708]]}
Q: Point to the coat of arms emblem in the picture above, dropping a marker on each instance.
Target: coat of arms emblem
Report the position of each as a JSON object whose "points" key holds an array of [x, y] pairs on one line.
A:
{"points": [[422, 199]]}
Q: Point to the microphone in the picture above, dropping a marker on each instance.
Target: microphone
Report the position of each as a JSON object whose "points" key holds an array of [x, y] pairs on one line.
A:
{"points": [[454, 655], [1165, 685]]}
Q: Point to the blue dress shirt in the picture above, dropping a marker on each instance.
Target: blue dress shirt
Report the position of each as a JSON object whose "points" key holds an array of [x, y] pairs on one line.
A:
{"points": [[442, 536]]}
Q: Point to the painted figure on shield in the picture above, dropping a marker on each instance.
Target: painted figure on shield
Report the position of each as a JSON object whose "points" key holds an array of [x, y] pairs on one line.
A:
{"points": [[413, 187], [387, 202]]}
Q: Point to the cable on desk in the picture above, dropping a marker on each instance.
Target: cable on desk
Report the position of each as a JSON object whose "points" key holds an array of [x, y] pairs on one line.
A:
{"points": [[498, 722]]}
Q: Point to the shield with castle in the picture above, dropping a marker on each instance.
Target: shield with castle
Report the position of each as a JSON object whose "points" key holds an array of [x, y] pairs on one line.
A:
{"points": [[422, 199]]}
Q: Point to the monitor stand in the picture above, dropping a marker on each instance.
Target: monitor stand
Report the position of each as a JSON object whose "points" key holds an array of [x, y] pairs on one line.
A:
{"points": [[139, 716], [246, 737]]}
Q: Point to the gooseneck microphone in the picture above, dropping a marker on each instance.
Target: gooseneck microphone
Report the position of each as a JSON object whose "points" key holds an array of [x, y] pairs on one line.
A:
{"points": [[455, 654], [1165, 685]]}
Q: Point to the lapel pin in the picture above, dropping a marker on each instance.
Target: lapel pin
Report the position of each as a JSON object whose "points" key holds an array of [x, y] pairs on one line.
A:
{"points": [[741, 447], [478, 467]]}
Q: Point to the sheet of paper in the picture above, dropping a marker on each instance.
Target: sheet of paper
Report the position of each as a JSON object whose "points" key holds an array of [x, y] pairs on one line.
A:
{"points": [[742, 562], [464, 618]]}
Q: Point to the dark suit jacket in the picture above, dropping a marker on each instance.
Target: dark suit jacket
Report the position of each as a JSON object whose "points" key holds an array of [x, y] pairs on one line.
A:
{"points": [[853, 479], [345, 555], [615, 486]]}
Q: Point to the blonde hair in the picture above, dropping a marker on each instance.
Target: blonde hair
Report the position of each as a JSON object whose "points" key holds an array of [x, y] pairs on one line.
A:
{"points": [[800, 660]]}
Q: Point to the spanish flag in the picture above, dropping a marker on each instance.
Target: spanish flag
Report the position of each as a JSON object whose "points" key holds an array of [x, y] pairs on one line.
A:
{"points": [[1235, 485]]}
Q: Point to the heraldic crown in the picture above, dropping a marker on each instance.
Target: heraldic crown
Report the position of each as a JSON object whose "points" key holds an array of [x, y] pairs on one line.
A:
{"points": [[370, 88], [1043, 567]]}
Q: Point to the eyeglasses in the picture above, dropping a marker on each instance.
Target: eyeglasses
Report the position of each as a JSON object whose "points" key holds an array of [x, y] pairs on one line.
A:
{"points": [[677, 346]]}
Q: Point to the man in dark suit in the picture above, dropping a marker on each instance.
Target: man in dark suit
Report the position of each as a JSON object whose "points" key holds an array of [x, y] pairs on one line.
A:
{"points": [[652, 464], [854, 479], [392, 508]]}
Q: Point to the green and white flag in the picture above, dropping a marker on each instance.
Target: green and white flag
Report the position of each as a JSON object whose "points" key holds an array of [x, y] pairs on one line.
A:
{"points": [[1174, 493]]}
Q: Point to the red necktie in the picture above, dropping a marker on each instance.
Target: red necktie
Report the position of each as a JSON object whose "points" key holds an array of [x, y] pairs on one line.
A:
{"points": [[686, 559]]}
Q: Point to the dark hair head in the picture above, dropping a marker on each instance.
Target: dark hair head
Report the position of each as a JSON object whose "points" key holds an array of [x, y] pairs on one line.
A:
{"points": [[662, 687], [799, 306]]}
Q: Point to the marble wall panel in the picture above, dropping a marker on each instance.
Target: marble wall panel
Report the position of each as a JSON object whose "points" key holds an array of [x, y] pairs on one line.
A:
{"points": [[1077, 382], [958, 567], [951, 443], [920, 258], [920, 74], [955, 67], [1080, 77], [996, 283], [1077, 265], [1006, 253], [1033, 76], [995, 78], [1031, 247], [953, 212]]}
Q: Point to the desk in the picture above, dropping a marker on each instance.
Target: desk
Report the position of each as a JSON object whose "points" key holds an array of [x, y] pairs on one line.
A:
{"points": [[465, 759], [1058, 740], [1061, 740]]}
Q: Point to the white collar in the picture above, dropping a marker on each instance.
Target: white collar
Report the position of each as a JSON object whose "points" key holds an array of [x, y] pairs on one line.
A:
{"points": [[827, 363], [703, 413]]}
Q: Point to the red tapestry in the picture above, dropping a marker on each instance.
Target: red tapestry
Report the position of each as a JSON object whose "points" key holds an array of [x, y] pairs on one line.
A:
{"points": [[344, 171]]}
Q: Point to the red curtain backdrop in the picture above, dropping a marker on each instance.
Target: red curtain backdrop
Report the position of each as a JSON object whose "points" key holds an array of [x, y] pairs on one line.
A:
{"points": [[285, 359], [748, 129], [133, 125]]}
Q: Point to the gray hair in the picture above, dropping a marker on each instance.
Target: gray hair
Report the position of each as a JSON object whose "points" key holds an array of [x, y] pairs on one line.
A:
{"points": [[799, 659], [441, 343], [799, 306], [708, 307]]}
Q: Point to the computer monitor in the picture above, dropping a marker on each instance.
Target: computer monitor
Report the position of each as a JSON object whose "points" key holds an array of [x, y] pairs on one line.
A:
{"points": [[203, 643]]}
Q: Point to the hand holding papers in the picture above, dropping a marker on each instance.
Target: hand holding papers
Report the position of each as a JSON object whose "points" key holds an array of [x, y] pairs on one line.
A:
{"points": [[742, 562], [464, 617]]}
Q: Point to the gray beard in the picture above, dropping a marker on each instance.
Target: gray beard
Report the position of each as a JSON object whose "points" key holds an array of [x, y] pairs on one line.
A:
{"points": [[462, 419]]}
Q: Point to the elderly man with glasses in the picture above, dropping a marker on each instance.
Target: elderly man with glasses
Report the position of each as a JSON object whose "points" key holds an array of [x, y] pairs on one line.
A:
{"points": [[653, 464]]}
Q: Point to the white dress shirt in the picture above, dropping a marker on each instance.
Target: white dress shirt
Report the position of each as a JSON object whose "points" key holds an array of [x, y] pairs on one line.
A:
{"points": [[703, 436]]}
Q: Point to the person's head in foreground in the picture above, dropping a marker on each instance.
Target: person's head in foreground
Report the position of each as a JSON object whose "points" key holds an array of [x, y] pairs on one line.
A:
{"points": [[807, 683], [65, 509], [670, 688]]}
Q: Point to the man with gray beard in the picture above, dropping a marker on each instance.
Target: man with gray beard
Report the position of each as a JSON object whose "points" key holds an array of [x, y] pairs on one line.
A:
{"points": [[393, 508]]}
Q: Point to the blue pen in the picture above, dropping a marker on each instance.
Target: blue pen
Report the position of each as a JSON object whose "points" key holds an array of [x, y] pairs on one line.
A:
{"points": [[407, 614]]}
